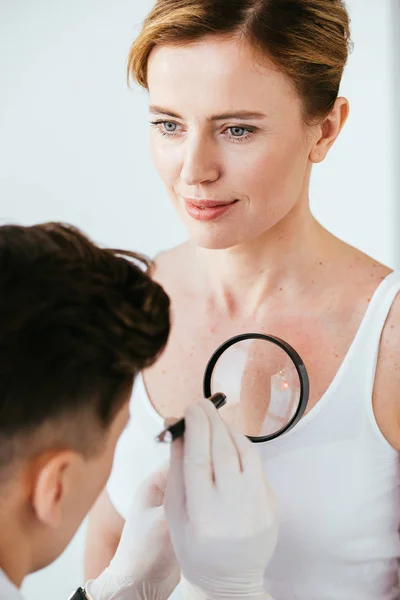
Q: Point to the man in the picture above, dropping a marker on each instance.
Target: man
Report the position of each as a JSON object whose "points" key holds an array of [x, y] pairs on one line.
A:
{"points": [[78, 322]]}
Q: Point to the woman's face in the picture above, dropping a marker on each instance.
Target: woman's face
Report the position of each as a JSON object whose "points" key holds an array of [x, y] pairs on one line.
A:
{"points": [[228, 140]]}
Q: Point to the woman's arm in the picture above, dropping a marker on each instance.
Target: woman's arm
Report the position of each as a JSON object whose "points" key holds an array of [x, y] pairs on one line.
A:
{"points": [[103, 536], [386, 393]]}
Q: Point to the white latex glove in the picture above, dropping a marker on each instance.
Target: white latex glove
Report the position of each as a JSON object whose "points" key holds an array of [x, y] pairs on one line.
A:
{"points": [[221, 512], [144, 566]]}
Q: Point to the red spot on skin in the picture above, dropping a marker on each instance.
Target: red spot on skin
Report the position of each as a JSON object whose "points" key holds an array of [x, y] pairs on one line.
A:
{"points": [[212, 330]]}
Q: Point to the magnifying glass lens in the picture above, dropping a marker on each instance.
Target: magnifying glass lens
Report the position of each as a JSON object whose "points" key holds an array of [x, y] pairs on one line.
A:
{"points": [[261, 385]]}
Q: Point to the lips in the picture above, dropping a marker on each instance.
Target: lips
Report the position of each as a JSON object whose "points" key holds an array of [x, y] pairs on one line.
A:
{"points": [[203, 204], [207, 210]]}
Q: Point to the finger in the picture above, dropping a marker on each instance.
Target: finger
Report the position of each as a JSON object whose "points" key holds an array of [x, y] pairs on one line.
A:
{"points": [[151, 491], [225, 456], [254, 475], [175, 492], [160, 483], [248, 456], [163, 472], [159, 513], [173, 428], [197, 462]]}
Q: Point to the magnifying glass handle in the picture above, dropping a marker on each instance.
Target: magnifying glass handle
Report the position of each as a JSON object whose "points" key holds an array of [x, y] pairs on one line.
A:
{"points": [[177, 430]]}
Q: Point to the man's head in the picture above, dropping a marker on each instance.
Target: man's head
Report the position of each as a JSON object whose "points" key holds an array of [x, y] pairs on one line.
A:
{"points": [[76, 324]]}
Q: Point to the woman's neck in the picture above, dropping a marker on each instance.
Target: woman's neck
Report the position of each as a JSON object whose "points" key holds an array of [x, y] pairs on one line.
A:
{"points": [[283, 258]]}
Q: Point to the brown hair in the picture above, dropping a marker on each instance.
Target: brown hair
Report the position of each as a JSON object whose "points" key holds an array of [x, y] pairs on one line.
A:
{"points": [[77, 324], [308, 40]]}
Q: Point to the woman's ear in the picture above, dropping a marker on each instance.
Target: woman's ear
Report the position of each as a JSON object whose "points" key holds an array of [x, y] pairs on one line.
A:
{"points": [[55, 479], [329, 129]]}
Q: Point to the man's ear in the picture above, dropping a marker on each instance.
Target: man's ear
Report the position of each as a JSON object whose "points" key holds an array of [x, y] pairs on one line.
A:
{"points": [[54, 481], [329, 129]]}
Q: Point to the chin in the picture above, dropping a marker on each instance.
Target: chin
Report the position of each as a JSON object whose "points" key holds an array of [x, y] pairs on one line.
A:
{"points": [[219, 234], [225, 235], [216, 240]]}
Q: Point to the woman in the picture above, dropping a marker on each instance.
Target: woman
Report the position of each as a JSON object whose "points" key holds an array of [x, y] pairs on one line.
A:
{"points": [[243, 102]]}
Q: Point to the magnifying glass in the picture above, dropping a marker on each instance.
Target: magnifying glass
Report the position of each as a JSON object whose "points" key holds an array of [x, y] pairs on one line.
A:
{"points": [[258, 382]]}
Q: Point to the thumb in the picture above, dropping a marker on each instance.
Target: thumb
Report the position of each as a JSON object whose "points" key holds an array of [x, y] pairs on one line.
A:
{"points": [[151, 492], [175, 494]]}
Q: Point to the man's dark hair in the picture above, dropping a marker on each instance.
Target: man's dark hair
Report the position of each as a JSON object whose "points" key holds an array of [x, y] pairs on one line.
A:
{"points": [[77, 323]]}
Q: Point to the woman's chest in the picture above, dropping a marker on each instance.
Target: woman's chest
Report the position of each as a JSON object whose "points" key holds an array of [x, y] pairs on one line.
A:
{"points": [[176, 380]]}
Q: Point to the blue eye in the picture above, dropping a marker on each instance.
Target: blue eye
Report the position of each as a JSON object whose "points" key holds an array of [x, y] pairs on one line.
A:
{"points": [[169, 126], [237, 131], [166, 128]]}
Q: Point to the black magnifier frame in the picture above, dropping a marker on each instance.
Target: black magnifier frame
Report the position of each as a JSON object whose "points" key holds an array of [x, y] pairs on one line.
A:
{"points": [[297, 361]]}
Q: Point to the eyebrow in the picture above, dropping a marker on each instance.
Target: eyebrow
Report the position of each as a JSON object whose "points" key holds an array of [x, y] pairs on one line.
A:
{"points": [[240, 114]]}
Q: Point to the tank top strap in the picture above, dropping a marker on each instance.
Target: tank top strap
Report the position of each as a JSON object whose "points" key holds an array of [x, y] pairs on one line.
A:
{"points": [[367, 341]]}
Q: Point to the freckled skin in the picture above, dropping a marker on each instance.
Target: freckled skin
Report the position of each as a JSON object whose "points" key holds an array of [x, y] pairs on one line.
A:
{"points": [[265, 265]]}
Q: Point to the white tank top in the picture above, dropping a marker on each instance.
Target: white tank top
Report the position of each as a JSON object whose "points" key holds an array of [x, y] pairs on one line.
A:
{"points": [[336, 477]]}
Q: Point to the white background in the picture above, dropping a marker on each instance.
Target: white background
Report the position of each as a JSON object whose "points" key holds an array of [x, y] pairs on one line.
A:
{"points": [[74, 146]]}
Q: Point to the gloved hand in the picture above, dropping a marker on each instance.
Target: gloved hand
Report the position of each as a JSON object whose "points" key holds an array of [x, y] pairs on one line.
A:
{"points": [[221, 512], [144, 566]]}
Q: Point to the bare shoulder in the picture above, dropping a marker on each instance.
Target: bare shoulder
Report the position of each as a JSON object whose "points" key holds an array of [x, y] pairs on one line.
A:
{"points": [[365, 275], [352, 277], [387, 379], [361, 269], [170, 268]]}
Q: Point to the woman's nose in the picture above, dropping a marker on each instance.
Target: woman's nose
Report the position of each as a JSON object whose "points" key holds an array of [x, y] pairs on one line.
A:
{"points": [[199, 164]]}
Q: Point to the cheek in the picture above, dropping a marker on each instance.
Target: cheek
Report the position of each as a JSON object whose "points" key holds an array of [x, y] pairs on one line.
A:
{"points": [[275, 169], [165, 159]]}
